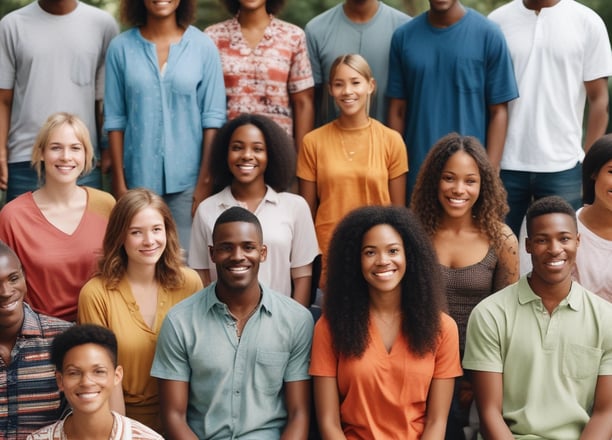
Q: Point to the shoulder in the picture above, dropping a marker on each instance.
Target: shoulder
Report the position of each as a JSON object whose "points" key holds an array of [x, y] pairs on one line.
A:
{"points": [[293, 201], [223, 27], [503, 11], [285, 26], [53, 431], [192, 279], [13, 17], [322, 21], [396, 14], [100, 200], [192, 305], [321, 132], [16, 207], [52, 326], [290, 309], [93, 287], [416, 24], [193, 34]]}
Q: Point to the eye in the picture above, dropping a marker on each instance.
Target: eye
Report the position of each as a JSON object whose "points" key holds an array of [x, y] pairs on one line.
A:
{"points": [[250, 247], [76, 147], [394, 251], [73, 373], [235, 147], [259, 149], [447, 178], [369, 253], [100, 372], [135, 232]]}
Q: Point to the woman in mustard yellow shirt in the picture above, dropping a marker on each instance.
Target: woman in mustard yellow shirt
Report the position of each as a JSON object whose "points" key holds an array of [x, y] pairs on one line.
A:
{"points": [[141, 276]]}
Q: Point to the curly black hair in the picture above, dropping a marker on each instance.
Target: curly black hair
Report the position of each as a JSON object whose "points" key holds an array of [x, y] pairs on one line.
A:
{"points": [[548, 205], [347, 297], [280, 150], [80, 335], [134, 13], [598, 155], [272, 6], [491, 206]]}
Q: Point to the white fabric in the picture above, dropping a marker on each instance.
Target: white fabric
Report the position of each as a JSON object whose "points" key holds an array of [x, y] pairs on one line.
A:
{"points": [[554, 53], [52, 63], [288, 233], [593, 258]]}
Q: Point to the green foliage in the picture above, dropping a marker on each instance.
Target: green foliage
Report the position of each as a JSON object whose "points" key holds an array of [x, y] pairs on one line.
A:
{"points": [[7, 6]]}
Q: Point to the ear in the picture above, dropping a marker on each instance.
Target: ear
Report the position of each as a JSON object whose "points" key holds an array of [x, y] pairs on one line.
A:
{"points": [[118, 375], [211, 252], [60, 381], [528, 245], [577, 239], [372, 86], [263, 253]]}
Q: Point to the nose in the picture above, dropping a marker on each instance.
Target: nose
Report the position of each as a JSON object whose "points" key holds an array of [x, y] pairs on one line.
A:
{"points": [[237, 254], [382, 259], [458, 187], [148, 237], [555, 247], [85, 378], [64, 153]]}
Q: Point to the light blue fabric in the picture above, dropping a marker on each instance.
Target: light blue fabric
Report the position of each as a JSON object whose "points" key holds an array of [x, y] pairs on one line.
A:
{"points": [[162, 116], [235, 386], [449, 77]]}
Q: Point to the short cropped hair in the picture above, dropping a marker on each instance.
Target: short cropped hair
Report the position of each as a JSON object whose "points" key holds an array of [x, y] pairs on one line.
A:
{"points": [[42, 139], [598, 155], [81, 335], [238, 214], [548, 205], [134, 13], [272, 6]]}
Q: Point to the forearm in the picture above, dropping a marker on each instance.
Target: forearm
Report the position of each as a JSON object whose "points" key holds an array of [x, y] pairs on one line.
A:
{"points": [[204, 185], [297, 426], [303, 116], [301, 290], [115, 146], [493, 426], [176, 428], [599, 427], [597, 121], [397, 115], [6, 102], [496, 133]]}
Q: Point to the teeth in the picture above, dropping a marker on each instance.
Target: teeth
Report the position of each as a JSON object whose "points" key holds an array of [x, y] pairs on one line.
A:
{"points": [[457, 200], [238, 269], [88, 395], [385, 273], [556, 263], [246, 167], [9, 306]]}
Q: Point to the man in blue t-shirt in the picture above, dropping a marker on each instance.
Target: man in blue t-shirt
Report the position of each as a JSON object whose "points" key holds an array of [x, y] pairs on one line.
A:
{"points": [[449, 71]]}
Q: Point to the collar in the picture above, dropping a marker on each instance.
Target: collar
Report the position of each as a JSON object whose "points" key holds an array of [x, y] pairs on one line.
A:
{"points": [[574, 298], [31, 327], [212, 303], [227, 200]]}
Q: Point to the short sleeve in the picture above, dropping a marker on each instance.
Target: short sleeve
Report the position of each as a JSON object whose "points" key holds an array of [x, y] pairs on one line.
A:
{"points": [[307, 160], [304, 246], [398, 155], [395, 82], [598, 55], [483, 344], [500, 81], [299, 357], [171, 359], [201, 238], [300, 72], [93, 304], [7, 55], [110, 31], [447, 354], [324, 361]]}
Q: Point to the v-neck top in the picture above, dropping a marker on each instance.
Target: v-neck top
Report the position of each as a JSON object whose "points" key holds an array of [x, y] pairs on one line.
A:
{"points": [[117, 310], [56, 264], [384, 394]]}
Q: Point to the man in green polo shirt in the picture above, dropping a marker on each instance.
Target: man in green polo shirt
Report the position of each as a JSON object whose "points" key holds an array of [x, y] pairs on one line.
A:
{"points": [[540, 350]]}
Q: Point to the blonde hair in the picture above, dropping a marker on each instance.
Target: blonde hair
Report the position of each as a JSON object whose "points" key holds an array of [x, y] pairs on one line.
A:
{"points": [[359, 65], [42, 139]]}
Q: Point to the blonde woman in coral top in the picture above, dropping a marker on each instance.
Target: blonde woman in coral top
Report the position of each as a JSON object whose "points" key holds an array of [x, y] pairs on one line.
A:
{"points": [[56, 231], [141, 276]]}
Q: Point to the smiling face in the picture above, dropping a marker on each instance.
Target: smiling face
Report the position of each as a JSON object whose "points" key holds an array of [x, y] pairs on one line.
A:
{"points": [[88, 377], [237, 251], [247, 156], [63, 155], [459, 185], [161, 8], [383, 259], [603, 187], [351, 90], [12, 291], [145, 240], [552, 243]]}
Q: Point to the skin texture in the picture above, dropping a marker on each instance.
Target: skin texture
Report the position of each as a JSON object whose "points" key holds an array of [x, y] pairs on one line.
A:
{"points": [[12, 292], [6, 102], [597, 119]]}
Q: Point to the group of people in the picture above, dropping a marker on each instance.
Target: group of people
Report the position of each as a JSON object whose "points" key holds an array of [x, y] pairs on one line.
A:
{"points": [[417, 145]]}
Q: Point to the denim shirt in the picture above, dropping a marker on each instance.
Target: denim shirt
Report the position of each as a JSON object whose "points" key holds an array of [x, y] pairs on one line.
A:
{"points": [[163, 112]]}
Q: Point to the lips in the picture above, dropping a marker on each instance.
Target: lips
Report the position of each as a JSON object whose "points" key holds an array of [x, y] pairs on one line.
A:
{"points": [[385, 274], [555, 263], [89, 395], [9, 305], [238, 269]]}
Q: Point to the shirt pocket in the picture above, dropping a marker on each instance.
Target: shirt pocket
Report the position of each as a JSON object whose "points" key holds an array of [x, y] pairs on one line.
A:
{"points": [[83, 69], [269, 370], [581, 361], [469, 76]]}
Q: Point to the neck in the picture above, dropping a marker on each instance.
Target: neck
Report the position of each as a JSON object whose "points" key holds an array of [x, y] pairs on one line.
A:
{"points": [[456, 224], [140, 273], [353, 121], [386, 303], [254, 18], [59, 193], [446, 18], [239, 302], [360, 11], [161, 28], [10, 331], [89, 426], [62, 7], [537, 5], [551, 295], [253, 191]]}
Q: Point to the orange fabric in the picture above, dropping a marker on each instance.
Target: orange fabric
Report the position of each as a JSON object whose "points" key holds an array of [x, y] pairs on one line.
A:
{"points": [[384, 395], [347, 181]]}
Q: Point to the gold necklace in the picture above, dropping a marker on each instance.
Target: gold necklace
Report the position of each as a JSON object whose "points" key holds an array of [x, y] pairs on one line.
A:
{"points": [[357, 146], [244, 319]]}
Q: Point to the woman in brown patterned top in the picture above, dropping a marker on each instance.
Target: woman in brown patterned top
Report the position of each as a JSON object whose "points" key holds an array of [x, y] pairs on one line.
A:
{"points": [[461, 202]]}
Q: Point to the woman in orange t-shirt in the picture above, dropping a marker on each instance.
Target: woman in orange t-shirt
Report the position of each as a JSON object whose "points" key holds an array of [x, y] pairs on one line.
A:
{"points": [[384, 355], [354, 160]]}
